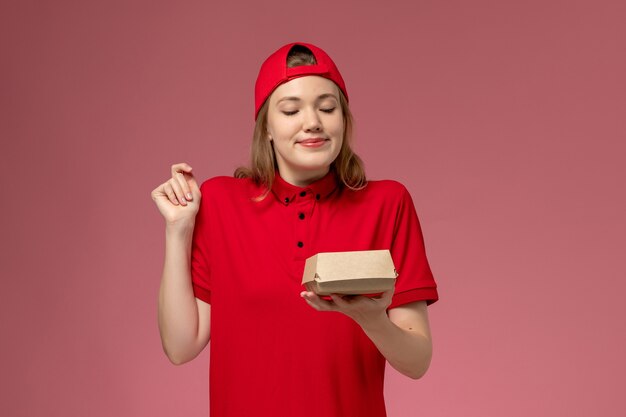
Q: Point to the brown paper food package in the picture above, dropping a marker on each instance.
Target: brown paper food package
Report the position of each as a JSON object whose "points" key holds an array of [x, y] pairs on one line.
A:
{"points": [[355, 272]]}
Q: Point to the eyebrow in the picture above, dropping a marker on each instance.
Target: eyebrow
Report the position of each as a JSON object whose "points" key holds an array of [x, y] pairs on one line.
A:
{"points": [[320, 97]]}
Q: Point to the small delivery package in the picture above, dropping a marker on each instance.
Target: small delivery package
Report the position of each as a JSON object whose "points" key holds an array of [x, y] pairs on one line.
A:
{"points": [[357, 272]]}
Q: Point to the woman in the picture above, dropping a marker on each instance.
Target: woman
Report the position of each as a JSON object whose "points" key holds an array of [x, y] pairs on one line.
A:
{"points": [[235, 253]]}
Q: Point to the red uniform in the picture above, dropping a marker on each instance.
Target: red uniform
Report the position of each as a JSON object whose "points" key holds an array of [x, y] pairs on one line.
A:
{"points": [[271, 354]]}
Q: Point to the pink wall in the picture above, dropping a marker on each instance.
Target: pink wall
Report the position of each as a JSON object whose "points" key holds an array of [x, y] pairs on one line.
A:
{"points": [[505, 119]]}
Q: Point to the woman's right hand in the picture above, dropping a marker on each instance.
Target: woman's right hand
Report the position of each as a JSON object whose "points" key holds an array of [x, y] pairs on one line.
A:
{"points": [[172, 197]]}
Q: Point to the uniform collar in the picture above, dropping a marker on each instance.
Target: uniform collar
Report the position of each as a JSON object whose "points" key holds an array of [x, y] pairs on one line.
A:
{"points": [[287, 193]]}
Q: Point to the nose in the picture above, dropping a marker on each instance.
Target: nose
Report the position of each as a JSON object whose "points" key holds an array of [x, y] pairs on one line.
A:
{"points": [[312, 122]]}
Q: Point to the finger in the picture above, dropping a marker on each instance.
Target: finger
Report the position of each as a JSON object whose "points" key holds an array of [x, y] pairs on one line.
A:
{"points": [[316, 302], [182, 167], [387, 295], [312, 304], [193, 185], [181, 172], [339, 300], [157, 193], [182, 181], [169, 192], [347, 299], [178, 191]]}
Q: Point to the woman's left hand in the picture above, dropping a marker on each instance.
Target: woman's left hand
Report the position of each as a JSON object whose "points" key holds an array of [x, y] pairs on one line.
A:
{"points": [[361, 309]]}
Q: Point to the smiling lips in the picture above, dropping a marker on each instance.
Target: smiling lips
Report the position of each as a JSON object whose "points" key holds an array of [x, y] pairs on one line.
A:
{"points": [[312, 142]]}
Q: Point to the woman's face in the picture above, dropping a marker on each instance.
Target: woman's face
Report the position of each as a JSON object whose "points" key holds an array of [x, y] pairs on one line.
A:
{"points": [[305, 123]]}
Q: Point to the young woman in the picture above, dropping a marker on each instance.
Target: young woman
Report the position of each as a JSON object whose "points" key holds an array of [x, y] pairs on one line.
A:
{"points": [[235, 253]]}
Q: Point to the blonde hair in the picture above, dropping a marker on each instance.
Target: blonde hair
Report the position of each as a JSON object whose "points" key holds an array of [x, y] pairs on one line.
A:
{"points": [[348, 166]]}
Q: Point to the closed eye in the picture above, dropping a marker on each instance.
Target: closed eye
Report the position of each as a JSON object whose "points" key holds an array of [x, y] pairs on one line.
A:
{"points": [[328, 110], [290, 113]]}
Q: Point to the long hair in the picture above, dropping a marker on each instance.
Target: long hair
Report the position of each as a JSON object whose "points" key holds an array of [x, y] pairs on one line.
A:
{"points": [[348, 166]]}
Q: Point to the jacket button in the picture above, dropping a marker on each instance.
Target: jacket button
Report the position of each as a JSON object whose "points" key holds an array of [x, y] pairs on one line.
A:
{"points": [[317, 196], [300, 244], [301, 216], [286, 199], [303, 193]]}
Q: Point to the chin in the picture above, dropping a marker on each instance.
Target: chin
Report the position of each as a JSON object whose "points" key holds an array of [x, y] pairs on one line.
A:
{"points": [[315, 166]]}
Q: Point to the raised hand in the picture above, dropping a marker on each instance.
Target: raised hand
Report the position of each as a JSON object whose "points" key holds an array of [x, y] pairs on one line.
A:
{"points": [[178, 198]]}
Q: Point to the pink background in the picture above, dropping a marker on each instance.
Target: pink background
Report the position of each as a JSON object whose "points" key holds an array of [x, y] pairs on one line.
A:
{"points": [[505, 119]]}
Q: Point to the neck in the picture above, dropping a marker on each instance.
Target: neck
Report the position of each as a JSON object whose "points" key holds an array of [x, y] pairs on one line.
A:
{"points": [[302, 179]]}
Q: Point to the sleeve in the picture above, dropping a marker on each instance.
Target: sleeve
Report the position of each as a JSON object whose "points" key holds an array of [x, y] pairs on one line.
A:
{"points": [[200, 265], [415, 280]]}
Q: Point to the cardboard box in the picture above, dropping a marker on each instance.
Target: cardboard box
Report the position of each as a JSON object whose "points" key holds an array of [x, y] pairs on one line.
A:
{"points": [[356, 272]]}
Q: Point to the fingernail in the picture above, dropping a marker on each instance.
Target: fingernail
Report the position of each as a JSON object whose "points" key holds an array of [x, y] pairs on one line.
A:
{"points": [[189, 196]]}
